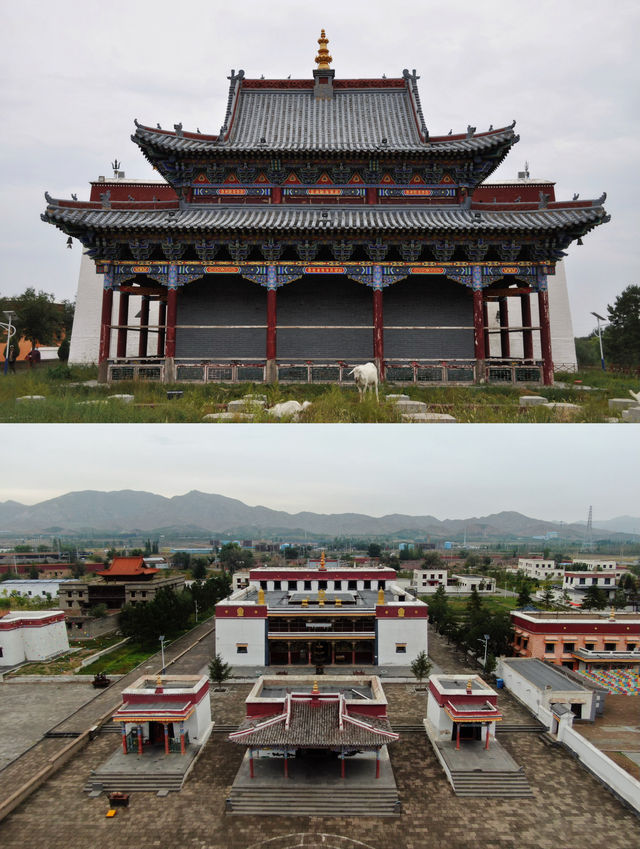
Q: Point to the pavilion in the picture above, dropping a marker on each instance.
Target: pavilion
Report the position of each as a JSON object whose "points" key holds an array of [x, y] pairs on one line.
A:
{"points": [[322, 227]]}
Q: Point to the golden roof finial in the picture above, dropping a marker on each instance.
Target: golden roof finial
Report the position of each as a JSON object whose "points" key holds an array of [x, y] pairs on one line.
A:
{"points": [[323, 59], [380, 596], [322, 566], [260, 596], [315, 688]]}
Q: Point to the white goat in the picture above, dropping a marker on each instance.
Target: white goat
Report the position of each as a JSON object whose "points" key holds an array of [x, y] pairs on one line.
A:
{"points": [[366, 377], [288, 409]]}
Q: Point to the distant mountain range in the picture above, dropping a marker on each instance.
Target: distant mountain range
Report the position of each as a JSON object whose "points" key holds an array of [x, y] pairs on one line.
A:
{"points": [[207, 514]]}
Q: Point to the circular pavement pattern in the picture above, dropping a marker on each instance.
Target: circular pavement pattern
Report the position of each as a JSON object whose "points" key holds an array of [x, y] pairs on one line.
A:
{"points": [[317, 840]]}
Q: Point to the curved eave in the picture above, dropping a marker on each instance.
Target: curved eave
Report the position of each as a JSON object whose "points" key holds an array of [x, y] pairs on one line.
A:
{"points": [[305, 219], [156, 143]]}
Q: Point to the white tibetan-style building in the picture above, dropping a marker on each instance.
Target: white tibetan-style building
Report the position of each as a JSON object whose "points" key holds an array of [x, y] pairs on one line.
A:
{"points": [[32, 635], [324, 614]]}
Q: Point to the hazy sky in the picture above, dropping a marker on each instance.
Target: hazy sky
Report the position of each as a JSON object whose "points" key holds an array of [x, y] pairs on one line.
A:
{"points": [[551, 472], [76, 74]]}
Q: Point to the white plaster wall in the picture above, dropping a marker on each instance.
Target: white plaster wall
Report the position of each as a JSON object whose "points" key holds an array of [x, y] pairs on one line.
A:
{"points": [[394, 630], [85, 335], [438, 719], [563, 349], [31, 588], [12, 646], [41, 643], [618, 779], [201, 718], [240, 629]]}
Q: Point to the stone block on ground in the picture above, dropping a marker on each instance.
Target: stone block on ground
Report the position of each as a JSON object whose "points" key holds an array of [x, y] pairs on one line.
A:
{"points": [[255, 399], [616, 405], [631, 415], [443, 418], [126, 399], [532, 400], [397, 398], [227, 417], [31, 398], [411, 406], [562, 407], [242, 405]]}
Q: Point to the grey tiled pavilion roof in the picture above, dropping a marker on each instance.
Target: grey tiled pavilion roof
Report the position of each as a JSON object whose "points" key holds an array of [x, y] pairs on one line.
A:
{"points": [[317, 726], [290, 219], [352, 122], [362, 116]]}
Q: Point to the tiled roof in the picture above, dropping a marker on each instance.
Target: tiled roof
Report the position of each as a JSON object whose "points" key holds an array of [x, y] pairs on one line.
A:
{"points": [[291, 219], [127, 567], [353, 121], [315, 726]]}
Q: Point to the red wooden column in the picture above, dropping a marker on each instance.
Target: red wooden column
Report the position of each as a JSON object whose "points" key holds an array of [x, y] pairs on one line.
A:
{"points": [[143, 336], [485, 318], [166, 737], [124, 738], [457, 735], [378, 321], [271, 372], [251, 772], [478, 323], [505, 345], [172, 312], [182, 746], [105, 318], [342, 764], [486, 745], [162, 320], [286, 765], [545, 330], [527, 334], [123, 320], [139, 739]]}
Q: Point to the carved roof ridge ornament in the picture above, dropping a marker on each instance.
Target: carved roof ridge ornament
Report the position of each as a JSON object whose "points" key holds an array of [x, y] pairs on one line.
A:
{"points": [[324, 58]]}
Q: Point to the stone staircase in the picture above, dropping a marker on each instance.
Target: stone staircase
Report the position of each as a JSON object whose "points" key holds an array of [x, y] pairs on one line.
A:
{"points": [[130, 782], [534, 727], [315, 801], [510, 785]]}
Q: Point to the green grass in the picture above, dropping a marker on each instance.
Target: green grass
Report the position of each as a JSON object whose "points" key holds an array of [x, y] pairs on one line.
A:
{"points": [[67, 664], [120, 660], [64, 399]]}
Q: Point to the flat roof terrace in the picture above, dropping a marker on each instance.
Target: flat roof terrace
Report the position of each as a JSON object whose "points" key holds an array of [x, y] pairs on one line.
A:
{"points": [[541, 674]]}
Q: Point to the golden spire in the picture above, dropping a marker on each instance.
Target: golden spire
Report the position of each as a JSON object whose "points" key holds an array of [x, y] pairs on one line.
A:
{"points": [[381, 596], [315, 689], [260, 596], [322, 566], [323, 59]]}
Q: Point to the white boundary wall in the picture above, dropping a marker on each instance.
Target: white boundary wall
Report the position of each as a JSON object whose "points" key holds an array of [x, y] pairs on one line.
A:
{"points": [[623, 785], [405, 631]]}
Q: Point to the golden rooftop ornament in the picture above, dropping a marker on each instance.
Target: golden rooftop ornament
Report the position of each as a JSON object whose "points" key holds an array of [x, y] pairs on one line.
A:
{"points": [[323, 59]]}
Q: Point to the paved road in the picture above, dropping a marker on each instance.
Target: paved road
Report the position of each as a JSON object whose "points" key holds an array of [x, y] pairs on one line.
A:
{"points": [[193, 662]]}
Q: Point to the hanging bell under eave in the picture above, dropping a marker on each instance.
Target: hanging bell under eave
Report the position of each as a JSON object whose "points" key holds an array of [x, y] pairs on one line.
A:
{"points": [[69, 242]]}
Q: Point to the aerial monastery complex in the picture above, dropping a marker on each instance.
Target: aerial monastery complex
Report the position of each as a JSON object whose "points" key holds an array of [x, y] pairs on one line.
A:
{"points": [[324, 226]]}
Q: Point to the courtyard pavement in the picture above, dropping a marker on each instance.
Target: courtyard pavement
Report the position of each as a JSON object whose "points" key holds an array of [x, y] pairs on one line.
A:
{"points": [[569, 808]]}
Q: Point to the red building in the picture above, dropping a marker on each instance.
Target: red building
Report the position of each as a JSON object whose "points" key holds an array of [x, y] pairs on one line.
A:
{"points": [[324, 226], [567, 638]]}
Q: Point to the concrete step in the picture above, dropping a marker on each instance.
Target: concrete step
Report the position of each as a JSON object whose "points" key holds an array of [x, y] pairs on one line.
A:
{"points": [[491, 784], [534, 728], [319, 801]]}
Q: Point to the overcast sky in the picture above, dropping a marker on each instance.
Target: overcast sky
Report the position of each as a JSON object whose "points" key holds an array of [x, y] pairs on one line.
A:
{"points": [[550, 472], [76, 74]]}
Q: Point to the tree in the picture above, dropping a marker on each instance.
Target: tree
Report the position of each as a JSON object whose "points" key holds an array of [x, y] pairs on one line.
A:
{"points": [[233, 557], [219, 671], [524, 596], [33, 573], [548, 597], [433, 560], [98, 611], [39, 319], [421, 667], [620, 599], [181, 560], [374, 550], [198, 568], [594, 599], [621, 338], [588, 350]]}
